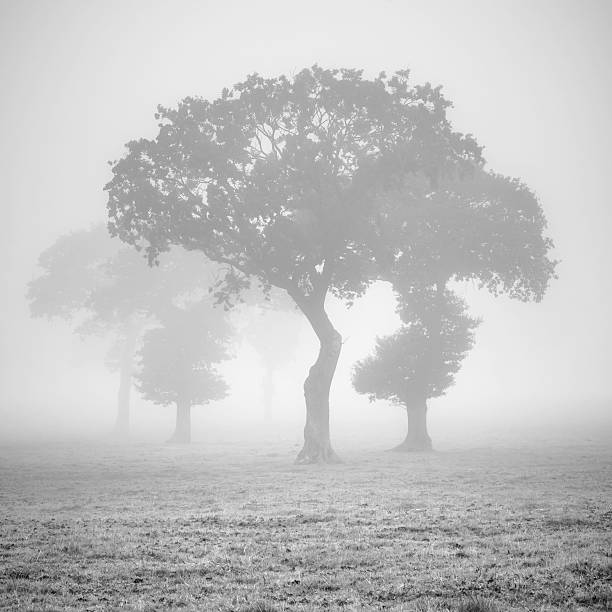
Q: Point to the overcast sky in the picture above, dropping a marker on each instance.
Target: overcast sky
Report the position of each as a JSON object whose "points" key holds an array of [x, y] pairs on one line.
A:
{"points": [[530, 79]]}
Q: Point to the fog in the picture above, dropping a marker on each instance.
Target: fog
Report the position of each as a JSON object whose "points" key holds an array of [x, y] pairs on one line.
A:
{"points": [[531, 81]]}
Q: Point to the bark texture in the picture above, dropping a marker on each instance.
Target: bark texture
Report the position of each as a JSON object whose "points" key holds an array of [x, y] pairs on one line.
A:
{"points": [[317, 443], [182, 433]]}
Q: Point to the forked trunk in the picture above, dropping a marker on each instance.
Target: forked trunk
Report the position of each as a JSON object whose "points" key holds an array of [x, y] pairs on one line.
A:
{"points": [[182, 433], [317, 444], [126, 369], [417, 438]]}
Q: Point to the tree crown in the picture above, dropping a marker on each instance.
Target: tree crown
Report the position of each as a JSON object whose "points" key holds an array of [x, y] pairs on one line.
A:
{"points": [[277, 177], [483, 227], [92, 275], [420, 360], [177, 360]]}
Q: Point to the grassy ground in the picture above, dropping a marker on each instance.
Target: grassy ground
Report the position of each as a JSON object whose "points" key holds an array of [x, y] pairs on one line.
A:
{"points": [[147, 527]]}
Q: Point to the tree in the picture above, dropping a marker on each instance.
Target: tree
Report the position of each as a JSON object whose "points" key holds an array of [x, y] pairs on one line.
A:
{"points": [[280, 179], [273, 334], [103, 287], [419, 361], [272, 328], [480, 226], [177, 362]]}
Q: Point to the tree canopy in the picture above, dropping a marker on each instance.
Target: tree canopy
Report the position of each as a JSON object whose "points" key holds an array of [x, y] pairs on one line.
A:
{"points": [[483, 227], [72, 271], [277, 176], [93, 278], [323, 183], [417, 362], [177, 359]]}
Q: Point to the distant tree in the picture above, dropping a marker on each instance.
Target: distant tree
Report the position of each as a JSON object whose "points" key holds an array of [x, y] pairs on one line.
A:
{"points": [[272, 328], [103, 287], [280, 179], [419, 361], [177, 362]]}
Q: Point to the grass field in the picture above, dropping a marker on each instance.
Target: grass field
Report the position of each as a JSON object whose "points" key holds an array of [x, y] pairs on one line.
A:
{"points": [[233, 527]]}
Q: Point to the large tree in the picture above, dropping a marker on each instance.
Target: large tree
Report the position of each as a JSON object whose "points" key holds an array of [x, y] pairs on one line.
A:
{"points": [[105, 288], [419, 361], [280, 180], [178, 360]]}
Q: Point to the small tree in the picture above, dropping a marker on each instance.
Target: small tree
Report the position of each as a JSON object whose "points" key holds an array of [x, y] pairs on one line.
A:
{"points": [[419, 361], [479, 226], [177, 362]]}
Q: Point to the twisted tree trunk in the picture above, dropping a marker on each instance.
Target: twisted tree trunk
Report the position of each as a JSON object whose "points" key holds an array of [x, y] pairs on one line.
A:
{"points": [[317, 444], [182, 432]]}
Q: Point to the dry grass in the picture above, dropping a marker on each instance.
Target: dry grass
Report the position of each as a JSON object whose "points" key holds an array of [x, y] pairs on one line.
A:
{"points": [[234, 528]]}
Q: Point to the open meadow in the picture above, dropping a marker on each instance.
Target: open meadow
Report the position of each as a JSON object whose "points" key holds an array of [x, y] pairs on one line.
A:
{"points": [[102, 526]]}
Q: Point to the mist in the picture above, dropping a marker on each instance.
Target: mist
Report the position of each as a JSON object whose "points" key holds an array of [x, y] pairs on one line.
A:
{"points": [[96, 342], [81, 82]]}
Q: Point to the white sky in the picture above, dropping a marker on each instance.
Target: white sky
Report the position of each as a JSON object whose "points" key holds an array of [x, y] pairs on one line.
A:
{"points": [[530, 79]]}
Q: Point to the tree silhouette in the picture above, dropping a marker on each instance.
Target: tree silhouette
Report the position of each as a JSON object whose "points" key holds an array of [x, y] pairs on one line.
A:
{"points": [[103, 287], [177, 361], [479, 226], [420, 360], [280, 179]]}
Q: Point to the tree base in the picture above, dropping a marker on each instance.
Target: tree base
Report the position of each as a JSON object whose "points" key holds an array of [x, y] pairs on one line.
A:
{"points": [[309, 456]]}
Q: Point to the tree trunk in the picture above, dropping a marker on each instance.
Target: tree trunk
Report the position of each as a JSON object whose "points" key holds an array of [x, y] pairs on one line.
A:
{"points": [[317, 444], [268, 392], [417, 438], [182, 433], [122, 423]]}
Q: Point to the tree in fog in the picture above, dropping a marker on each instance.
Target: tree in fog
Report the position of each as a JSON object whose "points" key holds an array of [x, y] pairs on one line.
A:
{"points": [[178, 359], [272, 329], [105, 288], [419, 361], [274, 335], [280, 179], [481, 227]]}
